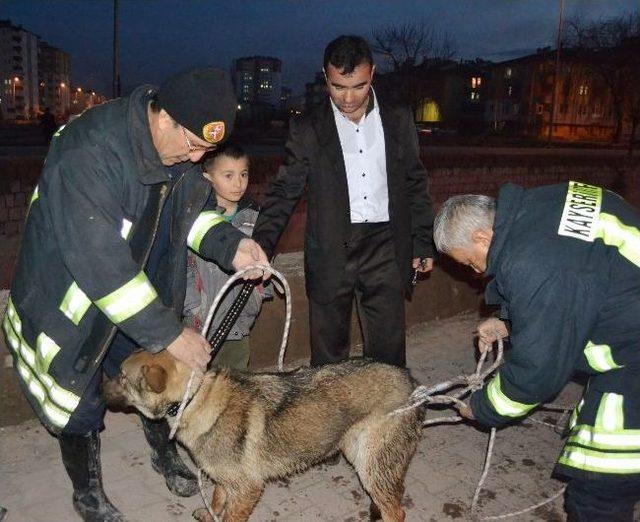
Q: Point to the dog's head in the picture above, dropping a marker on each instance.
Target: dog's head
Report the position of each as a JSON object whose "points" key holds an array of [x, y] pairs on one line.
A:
{"points": [[151, 383]]}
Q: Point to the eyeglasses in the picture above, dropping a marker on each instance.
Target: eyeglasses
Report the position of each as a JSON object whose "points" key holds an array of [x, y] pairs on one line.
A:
{"points": [[195, 148]]}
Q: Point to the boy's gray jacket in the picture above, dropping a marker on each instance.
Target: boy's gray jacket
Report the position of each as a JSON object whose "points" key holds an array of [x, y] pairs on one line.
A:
{"points": [[91, 224], [205, 279]]}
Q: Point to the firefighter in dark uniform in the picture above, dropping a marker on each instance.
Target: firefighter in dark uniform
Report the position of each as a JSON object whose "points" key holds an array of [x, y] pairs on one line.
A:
{"points": [[565, 267], [102, 267]]}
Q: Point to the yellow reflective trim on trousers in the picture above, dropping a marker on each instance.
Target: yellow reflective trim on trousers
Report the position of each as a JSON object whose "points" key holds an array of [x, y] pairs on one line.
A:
{"points": [[610, 416], [598, 439], [503, 404], [56, 402], [75, 303], [205, 221], [599, 357], [614, 232], [600, 461], [128, 300]]}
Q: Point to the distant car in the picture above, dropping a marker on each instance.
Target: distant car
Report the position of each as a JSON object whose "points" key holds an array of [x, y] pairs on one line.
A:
{"points": [[421, 128]]}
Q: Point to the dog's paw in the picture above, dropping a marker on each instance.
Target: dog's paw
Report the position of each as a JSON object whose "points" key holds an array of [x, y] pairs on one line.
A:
{"points": [[202, 515]]}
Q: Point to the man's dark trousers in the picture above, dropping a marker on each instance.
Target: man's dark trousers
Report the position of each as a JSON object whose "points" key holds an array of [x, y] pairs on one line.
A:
{"points": [[372, 276]]}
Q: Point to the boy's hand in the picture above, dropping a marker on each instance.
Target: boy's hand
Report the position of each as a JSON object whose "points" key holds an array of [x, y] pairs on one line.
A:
{"points": [[250, 253]]}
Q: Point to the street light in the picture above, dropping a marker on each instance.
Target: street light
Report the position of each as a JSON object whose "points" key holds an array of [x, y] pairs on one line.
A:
{"points": [[15, 80], [61, 89]]}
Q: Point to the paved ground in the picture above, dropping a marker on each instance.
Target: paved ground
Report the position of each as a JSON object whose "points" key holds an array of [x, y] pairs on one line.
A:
{"points": [[439, 486]]}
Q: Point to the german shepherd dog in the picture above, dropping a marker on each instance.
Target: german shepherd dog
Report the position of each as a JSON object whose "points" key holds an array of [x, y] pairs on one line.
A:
{"points": [[245, 429]]}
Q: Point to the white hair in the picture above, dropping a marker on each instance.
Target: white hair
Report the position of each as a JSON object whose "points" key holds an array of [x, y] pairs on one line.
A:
{"points": [[459, 217]]}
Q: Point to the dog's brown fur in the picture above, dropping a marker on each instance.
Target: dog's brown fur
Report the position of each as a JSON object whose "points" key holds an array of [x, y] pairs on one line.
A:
{"points": [[245, 429]]}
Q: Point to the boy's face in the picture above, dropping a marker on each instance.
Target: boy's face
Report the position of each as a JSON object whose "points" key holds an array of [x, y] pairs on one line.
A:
{"points": [[229, 178]]}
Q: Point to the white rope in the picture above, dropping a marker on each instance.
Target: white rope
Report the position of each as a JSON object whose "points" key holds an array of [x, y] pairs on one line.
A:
{"points": [[207, 324], [204, 500], [423, 394]]}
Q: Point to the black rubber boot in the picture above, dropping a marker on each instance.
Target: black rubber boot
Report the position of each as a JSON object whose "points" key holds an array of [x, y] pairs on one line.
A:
{"points": [[81, 459], [166, 461]]}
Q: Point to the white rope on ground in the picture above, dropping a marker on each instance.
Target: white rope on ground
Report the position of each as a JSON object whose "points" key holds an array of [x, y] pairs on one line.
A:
{"points": [[423, 394], [530, 508], [485, 472], [483, 477], [207, 324]]}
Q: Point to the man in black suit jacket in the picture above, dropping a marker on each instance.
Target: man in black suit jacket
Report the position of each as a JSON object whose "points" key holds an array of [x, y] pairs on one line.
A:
{"points": [[369, 216]]}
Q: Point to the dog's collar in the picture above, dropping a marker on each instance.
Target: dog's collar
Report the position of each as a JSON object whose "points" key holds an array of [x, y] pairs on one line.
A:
{"points": [[174, 407], [172, 411]]}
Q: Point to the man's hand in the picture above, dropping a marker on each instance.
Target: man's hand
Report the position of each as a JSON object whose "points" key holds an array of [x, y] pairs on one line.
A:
{"points": [[490, 331], [250, 253], [425, 266], [466, 412], [192, 349]]}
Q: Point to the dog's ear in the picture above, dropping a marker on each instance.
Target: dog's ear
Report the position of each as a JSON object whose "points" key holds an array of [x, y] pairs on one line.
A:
{"points": [[155, 377]]}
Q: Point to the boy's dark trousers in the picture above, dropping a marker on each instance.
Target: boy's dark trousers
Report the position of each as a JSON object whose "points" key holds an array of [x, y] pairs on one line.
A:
{"points": [[602, 500]]}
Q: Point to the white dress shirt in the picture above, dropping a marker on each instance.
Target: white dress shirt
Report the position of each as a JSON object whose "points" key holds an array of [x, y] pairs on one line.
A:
{"points": [[363, 150]]}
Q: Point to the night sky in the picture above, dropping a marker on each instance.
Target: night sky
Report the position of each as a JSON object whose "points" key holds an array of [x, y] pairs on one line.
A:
{"points": [[159, 37]]}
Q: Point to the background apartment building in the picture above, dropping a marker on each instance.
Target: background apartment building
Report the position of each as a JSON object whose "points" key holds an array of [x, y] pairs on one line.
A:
{"points": [[18, 72], [55, 78], [33, 75]]}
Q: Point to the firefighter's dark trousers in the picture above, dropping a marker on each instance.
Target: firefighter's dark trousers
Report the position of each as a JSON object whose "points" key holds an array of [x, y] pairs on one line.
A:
{"points": [[602, 500]]}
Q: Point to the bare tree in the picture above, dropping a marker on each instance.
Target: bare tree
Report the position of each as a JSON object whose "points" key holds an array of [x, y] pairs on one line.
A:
{"points": [[411, 51], [410, 44], [611, 50]]}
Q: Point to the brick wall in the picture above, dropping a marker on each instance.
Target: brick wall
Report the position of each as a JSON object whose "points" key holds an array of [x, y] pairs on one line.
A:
{"points": [[448, 290], [452, 171], [18, 178], [485, 172]]}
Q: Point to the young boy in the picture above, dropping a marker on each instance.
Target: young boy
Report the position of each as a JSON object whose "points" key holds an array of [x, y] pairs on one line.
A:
{"points": [[227, 169]]}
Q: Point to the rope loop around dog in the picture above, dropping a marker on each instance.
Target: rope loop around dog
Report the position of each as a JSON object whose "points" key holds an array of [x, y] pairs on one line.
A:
{"points": [[475, 381], [207, 324]]}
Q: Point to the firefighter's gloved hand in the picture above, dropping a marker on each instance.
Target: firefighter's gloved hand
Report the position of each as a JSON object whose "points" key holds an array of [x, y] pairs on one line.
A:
{"points": [[192, 349], [490, 331], [250, 253]]}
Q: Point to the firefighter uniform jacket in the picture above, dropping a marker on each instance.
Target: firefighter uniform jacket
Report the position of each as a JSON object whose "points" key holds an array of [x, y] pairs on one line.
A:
{"points": [[89, 231], [565, 262]]}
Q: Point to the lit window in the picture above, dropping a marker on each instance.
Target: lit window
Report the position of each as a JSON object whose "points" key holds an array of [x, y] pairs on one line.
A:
{"points": [[508, 73], [583, 90], [476, 81], [509, 90]]}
